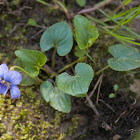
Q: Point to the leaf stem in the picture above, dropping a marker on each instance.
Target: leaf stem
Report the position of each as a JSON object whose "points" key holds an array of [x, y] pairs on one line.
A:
{"points": [[48, 70], [53, 58], [89, 56], [17, 67], [98, 72], [44, 70], [115, 93], [69, 65]]}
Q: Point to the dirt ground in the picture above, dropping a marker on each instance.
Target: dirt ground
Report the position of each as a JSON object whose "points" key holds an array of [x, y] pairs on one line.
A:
{"points": [[30, 117]]}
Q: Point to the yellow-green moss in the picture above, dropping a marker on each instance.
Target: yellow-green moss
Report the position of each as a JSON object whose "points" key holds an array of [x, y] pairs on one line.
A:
{"points": [[6, 136], [27, 118], [72, 129]]}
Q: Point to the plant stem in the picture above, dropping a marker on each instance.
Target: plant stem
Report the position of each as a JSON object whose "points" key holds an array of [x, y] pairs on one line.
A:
{"points": [[96, 7], [53, 58], [89, 57], [48, 70], [44, 70], [69, 65], [115, 93], [98, 72], [17, 67]]}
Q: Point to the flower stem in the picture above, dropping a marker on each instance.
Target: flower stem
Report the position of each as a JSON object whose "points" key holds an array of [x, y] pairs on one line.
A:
{"points": [[69, 65], [53, 58], [17, 67], [98, 72]]}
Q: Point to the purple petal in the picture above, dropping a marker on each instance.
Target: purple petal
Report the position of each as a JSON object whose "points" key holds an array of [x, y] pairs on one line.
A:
{"points": [[3, 89], [13, 77], [15, 92], [3, 69]]}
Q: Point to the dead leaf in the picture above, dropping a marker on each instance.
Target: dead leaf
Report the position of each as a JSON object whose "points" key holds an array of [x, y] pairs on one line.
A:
{"points": [[116, 137], [135, 87]]}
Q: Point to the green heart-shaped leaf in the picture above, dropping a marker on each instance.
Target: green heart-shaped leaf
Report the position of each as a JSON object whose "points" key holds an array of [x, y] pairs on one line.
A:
{"points": [[57, 99], [32, 60], [78, 84], [86, 33], [26, 79], [58, 35], [125, 58]]}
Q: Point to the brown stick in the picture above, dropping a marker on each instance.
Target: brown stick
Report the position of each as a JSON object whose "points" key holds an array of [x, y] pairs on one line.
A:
{"points": [[92, 105], [95, 87], [96, 7], [120, 116], [99, 89], [107, 105], [104, 124]]}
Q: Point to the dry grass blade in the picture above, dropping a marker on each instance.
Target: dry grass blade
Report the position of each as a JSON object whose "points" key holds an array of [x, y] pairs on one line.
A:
{"points": [[96, 85], [92, 105], [107, 105], [99, 89]]}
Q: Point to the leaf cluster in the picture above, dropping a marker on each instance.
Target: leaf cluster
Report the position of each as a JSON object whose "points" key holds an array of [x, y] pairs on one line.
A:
{"points": [[60, 37]]}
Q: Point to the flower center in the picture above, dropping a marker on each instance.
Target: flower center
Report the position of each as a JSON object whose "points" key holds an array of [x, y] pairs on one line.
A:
{"points": [[5, 83]]}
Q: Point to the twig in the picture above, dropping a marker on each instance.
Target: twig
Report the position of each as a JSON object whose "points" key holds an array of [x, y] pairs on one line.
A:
{"points": [[39, 26], [120, 116], [99, 89], [107, 105], [92, 105], [19, 11], [96, 85], [25, 7], [16, 26], [117, 9], [39, 32], [104, 124], [96, 7]]}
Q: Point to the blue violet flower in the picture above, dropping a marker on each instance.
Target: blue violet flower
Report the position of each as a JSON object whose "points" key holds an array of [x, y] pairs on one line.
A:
{"points": [[9, 80]]}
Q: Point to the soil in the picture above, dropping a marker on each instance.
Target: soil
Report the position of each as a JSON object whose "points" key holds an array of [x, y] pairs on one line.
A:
{"points": [[122, 114]]}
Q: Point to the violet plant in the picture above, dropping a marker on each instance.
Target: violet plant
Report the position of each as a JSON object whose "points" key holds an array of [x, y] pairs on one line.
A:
{"points": [[60, 37]]}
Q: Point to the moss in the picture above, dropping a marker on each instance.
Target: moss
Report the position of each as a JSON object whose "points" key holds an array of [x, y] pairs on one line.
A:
{"points": [[27, 118], [8, 27], [72, 129], [2, 128], [15, 2], [57, 120], [6, 136]]}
